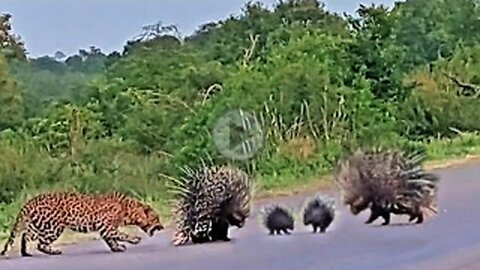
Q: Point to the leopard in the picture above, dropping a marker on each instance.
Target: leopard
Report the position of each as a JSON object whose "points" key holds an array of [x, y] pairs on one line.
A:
{"points": [[46, 216]]}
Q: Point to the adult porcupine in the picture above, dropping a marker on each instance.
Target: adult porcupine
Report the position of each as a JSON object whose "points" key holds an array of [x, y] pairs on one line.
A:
{"points": [[278, 219], [387, 181], [209, 200], [319, 212]]}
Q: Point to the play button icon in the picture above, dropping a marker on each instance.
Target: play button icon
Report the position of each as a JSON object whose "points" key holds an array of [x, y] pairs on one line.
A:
{"points": [[238, 135]]}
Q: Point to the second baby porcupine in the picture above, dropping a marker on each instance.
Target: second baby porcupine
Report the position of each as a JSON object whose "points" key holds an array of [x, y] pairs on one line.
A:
{"points": [[319, 213], [387, 181], [277, 219], [209, 200]]}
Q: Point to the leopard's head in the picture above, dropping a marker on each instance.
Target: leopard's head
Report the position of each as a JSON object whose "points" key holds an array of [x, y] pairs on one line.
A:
{"points": [[145, 217]]}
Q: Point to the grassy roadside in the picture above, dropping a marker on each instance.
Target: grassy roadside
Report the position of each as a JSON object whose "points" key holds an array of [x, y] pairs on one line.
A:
{"points": [[441, 154]]}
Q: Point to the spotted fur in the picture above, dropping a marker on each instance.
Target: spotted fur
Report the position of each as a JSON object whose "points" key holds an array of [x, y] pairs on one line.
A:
{"points": [[209, 200], [45, 217], [387, 181]]}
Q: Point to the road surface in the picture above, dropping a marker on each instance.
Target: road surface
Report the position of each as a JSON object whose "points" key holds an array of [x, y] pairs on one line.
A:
{"points": [[451, 240]]}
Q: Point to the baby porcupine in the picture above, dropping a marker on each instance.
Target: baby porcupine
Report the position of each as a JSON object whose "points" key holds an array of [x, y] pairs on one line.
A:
{"points": [[387, 181], [319, 212], [278, 219], [208, 201]]}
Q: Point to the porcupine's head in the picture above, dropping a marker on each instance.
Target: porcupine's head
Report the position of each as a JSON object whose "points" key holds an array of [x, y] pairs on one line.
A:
{"points": [[370, 176], [236, 216], [236, 207], [318, 209], [347, 176], [278, 217]]}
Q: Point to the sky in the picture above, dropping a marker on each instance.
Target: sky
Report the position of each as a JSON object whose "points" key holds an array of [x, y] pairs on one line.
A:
{"points": [[69, 25]]}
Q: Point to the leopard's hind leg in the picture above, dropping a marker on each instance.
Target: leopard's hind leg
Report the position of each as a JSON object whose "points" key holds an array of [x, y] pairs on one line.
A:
{"points": [[50, 233], [28, 235]]}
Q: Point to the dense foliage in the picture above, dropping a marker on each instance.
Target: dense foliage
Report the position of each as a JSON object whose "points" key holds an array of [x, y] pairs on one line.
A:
{"points": [[319, 83]]}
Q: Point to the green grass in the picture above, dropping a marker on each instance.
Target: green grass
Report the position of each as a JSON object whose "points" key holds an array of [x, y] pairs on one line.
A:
{"points": [[461, 146], [438, 151]]}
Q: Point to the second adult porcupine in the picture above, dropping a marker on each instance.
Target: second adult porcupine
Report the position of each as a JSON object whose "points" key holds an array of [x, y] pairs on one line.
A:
{"points": [[209, 200], [387, 181], [278, 219], [319, 213]]}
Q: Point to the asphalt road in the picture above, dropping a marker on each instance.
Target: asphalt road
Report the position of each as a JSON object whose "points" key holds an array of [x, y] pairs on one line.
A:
{"points": [[451, 240]]}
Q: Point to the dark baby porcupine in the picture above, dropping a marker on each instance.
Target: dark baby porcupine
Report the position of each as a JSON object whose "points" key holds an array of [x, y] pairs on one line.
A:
{"points": [[209, 200], [278, 219], [319, 213], [387, 181]]}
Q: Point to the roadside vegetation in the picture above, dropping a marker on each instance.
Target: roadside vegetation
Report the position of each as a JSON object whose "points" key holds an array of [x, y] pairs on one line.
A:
{"points": [[321, 84]]}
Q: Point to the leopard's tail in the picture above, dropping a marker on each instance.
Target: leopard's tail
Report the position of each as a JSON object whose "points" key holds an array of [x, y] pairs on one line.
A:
{"points": [[18, 226]]}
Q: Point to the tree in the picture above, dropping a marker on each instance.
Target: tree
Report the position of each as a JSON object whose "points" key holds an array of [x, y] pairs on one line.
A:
{"points": [[87, 61], [375, 53], [432, 28], [48, 63], [11, 101], [59, 55], [155, 37], [10, 45]]}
